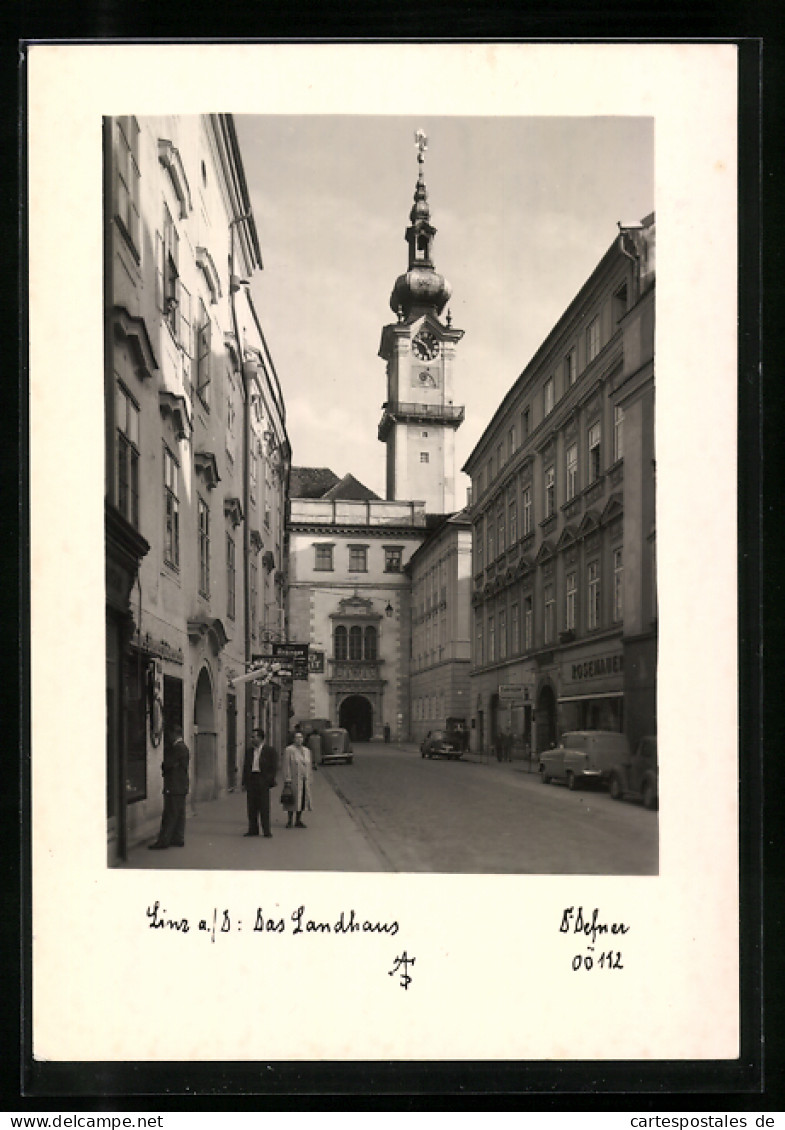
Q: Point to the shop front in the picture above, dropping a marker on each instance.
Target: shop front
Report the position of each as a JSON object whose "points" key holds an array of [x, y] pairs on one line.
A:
{"points": [[591, 690]]}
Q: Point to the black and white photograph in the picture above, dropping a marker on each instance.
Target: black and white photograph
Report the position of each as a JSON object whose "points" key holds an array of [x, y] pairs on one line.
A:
{"points": [[403, 524], [389, 536]]}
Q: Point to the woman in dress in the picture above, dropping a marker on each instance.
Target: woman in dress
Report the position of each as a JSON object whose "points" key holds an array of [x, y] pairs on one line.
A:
{"points": [[297, 773]]}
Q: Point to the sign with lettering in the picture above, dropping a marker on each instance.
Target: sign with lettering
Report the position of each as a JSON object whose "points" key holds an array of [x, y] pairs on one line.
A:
{"points": [[315, 662], [598, 667], [294, 654], [511, 692]]}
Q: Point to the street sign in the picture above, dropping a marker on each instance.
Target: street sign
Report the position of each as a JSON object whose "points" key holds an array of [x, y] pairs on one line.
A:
{"points": [[511, 692], [295, 655]]}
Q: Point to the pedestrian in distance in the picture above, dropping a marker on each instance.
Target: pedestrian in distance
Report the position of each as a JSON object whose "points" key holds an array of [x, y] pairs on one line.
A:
{"points": [[315, 746], [297, 774], [259, 769], [174, 769]]}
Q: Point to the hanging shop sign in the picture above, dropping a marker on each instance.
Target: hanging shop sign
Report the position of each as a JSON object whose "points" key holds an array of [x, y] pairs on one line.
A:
{"points": [[295, 655], [315, 662]]}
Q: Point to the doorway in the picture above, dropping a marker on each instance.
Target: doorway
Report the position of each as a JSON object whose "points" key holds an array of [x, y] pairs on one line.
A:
{"points": [[546, 719], [356, 716], [204, 784], [231, 741]]}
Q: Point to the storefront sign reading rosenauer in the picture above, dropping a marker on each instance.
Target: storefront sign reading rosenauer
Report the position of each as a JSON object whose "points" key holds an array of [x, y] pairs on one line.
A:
{"points": [[597, 668]]}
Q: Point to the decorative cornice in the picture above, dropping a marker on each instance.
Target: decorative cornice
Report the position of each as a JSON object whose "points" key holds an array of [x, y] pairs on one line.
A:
{"points": [[233, 510], [205, 260], [134, 331], [256, 541], [170, 158], [174, 405], [206, 465], [212, 628]]}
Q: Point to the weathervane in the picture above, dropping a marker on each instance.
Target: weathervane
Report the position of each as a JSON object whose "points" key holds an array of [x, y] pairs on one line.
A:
{"points": [[421, 141]]}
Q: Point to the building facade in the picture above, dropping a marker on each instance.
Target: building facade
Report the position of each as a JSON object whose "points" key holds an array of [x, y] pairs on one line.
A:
{"points": [[440, 573], [563, 520], [197, 462], [349, 601]]}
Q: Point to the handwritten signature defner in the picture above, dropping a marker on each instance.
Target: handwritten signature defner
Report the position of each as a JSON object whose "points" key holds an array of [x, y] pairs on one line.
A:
{"points": [[591, 928]]}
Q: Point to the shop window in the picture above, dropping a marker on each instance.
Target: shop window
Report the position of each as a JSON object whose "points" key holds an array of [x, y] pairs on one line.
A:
{"points": [[127, 437]]}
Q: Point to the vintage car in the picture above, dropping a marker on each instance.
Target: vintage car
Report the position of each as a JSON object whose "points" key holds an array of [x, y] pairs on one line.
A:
{"points": [[583, 756], [336, 746], [436, 744], [637, 777]]}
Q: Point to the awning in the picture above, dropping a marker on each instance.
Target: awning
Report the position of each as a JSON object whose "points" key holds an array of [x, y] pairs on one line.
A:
{"points": [[586, 697]]}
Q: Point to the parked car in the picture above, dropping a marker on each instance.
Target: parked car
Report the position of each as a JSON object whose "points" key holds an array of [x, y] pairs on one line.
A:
{"points": [[638, 776], [436, 744], [336, 746], [583, 756]]}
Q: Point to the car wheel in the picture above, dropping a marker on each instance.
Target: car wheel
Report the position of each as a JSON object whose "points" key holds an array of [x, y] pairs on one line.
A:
{"points": [[615, 787], [572, 784], [544, 777], [649, 795]]}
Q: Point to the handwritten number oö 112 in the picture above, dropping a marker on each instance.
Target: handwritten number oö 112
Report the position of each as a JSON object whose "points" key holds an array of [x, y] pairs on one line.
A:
{"points": [[609, 960]]}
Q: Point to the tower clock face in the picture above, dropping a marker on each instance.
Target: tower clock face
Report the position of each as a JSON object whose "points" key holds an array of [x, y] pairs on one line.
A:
{"points": [[425, 346]]}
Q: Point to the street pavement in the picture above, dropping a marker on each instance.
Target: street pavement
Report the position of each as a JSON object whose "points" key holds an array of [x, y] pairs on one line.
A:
{"points": [[392, 810]]}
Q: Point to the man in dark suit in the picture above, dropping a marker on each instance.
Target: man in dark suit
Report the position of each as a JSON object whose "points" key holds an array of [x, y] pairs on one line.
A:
{"points": [[259, 769], [174, 769]]}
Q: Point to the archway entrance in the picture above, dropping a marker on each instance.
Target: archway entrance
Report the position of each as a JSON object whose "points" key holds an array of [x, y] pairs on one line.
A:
{"points": [[546, 719], [204, 763], [356, 716]]}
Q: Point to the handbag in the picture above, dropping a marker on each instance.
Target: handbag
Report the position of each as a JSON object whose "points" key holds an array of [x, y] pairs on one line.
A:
{"points": [[287, 794]]}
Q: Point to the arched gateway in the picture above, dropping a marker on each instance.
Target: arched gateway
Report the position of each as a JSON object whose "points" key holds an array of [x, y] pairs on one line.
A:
{"points": [[356, 716]]}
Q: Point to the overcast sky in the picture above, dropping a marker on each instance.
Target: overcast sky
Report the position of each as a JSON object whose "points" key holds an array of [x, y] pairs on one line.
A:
{"points": [[524, 209]]}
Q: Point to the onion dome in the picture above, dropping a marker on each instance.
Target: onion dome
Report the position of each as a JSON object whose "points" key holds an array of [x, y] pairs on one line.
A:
{"points": [[422, 288]]}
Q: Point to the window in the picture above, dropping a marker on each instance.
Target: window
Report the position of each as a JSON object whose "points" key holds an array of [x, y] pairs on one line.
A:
{"points": [[393, 559], [502, 634], [499, 457], [490, 470], [491, 639], [254, 597], [550, 491], [547, 397], [204, 548], [202, 339], [592, 340], [491, 540], [549, 605], [525, 424], [127, 184], [253, 470], [572, 471], [479, 546], [618, 584], [370, 643], [526, 507], [594, 452], [527, 624], [501, 527], [515, 630], [512, 511], [355, 643], [358, 559], [593, 590], [618, 433], [127, 485], [323, 559], [171, 272], [571, 588], [424, 457], [479, 656], [231, 576], [511, 447], [171, 510], [479, 483], [341, 643], [570, 369]]}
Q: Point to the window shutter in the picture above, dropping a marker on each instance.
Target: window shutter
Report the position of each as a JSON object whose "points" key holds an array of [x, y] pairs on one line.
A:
{"points": [[184, 318], [159, 271]]}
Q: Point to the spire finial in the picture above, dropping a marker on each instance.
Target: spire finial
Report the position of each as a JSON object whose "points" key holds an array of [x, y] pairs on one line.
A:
{"points": [[421, 141]]}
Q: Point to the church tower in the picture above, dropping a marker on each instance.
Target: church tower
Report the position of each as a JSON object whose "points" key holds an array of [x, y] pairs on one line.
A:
{"points": [[420, 419]]}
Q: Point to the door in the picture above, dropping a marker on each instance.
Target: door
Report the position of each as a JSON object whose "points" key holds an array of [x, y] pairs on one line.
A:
{"points": [[231, 741]]}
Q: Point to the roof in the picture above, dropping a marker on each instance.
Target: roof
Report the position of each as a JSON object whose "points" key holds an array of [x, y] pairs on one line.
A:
{"points": [[350, 488], [311, 482]]}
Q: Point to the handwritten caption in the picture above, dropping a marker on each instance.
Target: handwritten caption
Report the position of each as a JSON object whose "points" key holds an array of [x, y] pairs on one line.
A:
{"points": [[593, 929], [221, 922]]}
